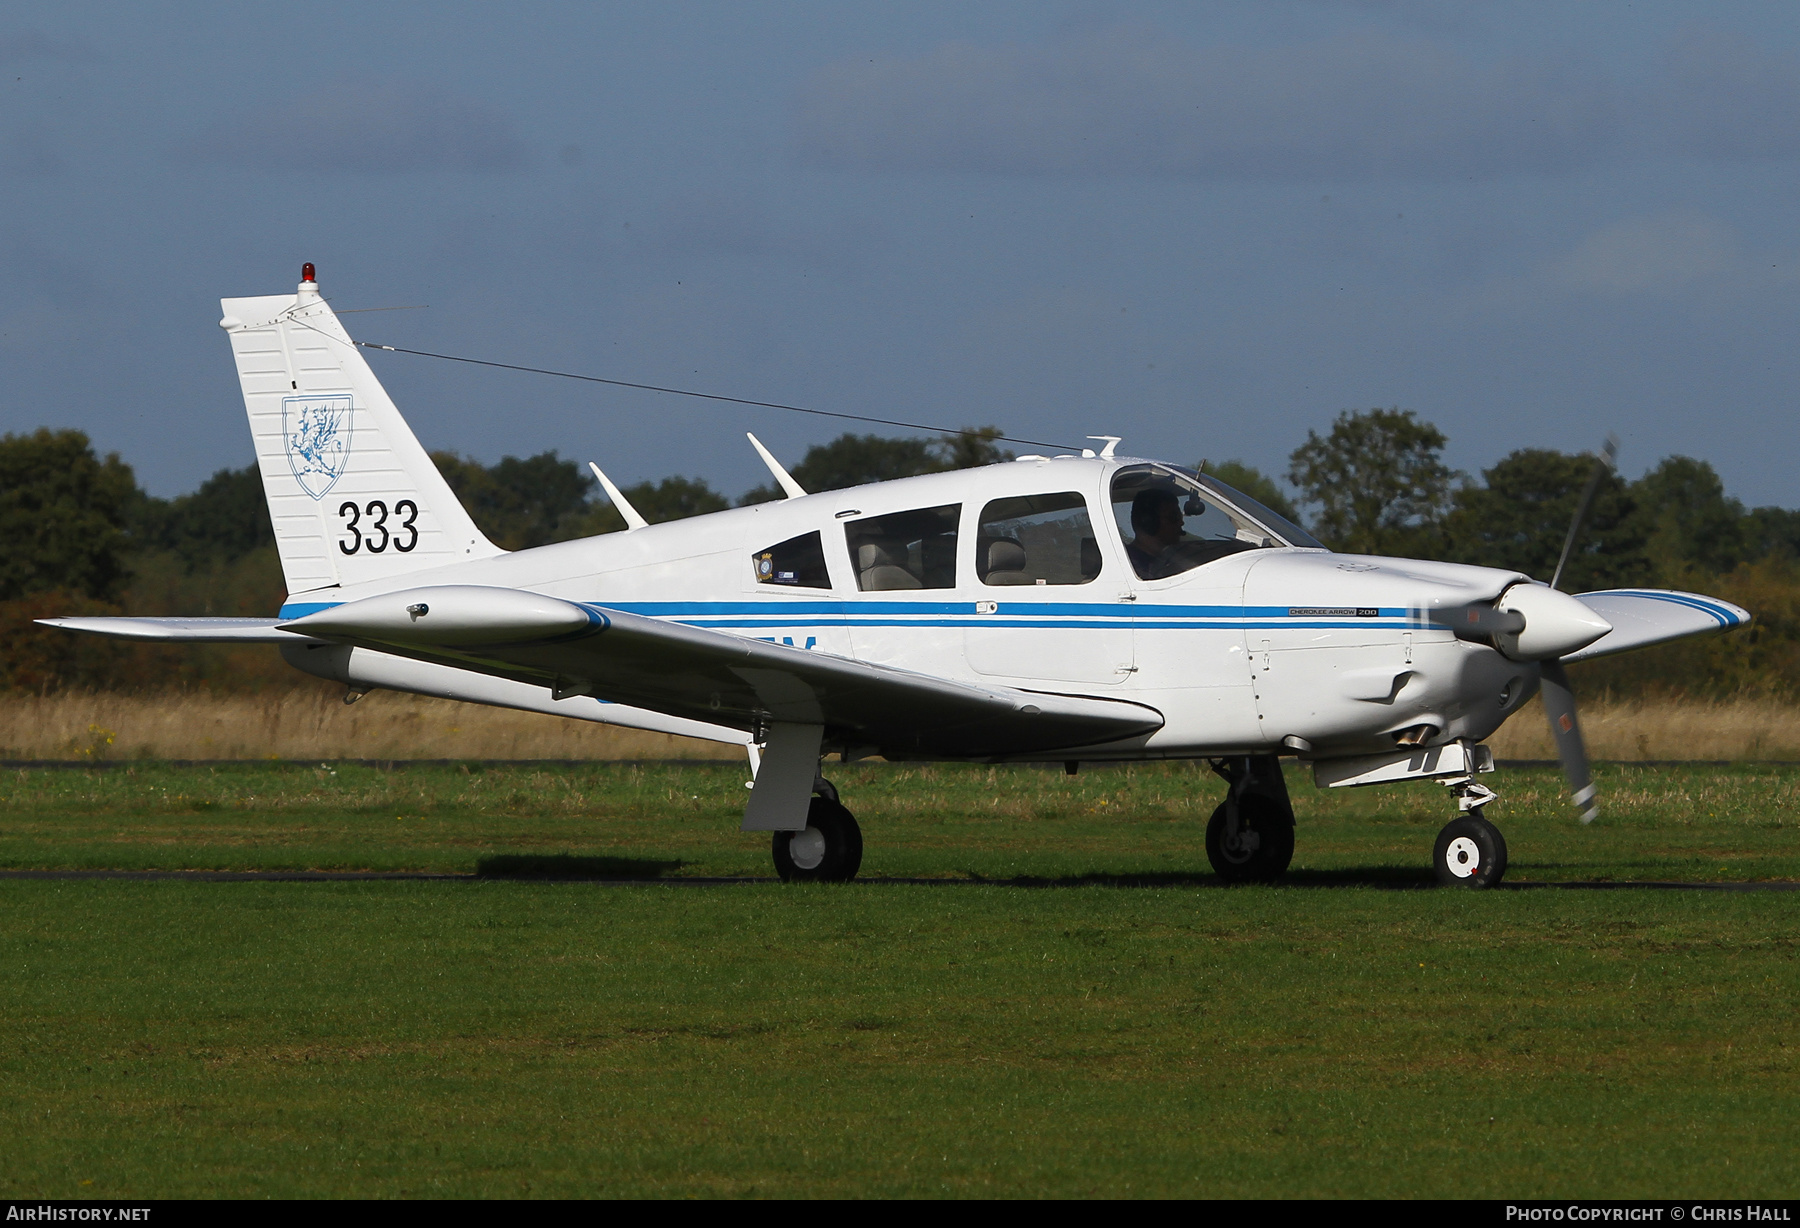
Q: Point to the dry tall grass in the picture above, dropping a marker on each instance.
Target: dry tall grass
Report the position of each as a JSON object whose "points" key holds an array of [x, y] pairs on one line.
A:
{"points": [[315, 724], [312, 724], [1664, 729]]}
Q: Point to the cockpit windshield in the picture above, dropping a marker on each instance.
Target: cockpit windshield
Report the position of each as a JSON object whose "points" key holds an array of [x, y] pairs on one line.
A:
{"points": [[1174, 519], [1290, 533]]}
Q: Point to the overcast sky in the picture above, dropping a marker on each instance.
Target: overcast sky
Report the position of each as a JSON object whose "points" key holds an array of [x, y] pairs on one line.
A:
{"points": [[1207, 228]]}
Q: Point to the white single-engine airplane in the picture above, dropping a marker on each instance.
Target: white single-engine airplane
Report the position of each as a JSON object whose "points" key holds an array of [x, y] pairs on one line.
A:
{"points": [[1090, 608]]}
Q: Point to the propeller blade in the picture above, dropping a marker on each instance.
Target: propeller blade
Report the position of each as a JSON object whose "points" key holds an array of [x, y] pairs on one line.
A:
{"points": [[1605, 459], [1565, 727]]}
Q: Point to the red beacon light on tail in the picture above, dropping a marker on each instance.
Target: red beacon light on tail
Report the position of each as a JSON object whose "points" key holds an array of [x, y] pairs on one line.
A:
{"points": [[306, 272]]}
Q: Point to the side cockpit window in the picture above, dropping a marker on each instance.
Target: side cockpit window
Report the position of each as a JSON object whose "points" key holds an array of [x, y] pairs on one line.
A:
{"points": [[798, 562], [905, 550], [1037, 540], [1171, 523]]}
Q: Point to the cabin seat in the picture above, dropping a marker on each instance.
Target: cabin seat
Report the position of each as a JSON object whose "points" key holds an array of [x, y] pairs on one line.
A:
{"points": [[880, 567], [1005, 563]]}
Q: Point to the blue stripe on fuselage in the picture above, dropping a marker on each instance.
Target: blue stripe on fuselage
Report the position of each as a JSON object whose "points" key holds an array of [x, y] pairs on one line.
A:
{"points": [[1028, 614]]}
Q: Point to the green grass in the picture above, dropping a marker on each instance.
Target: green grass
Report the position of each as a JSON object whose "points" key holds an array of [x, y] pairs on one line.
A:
{"points": [[504, 1036], [1689, 823]]}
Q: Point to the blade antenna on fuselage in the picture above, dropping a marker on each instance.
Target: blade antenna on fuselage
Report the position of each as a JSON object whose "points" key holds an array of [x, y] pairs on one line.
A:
{"points": [[786, 479], [633, 518]]}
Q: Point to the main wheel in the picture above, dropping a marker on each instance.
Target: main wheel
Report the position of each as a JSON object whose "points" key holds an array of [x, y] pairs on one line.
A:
{"points": [[1263, 845], [827, 850], [1470, 852]]}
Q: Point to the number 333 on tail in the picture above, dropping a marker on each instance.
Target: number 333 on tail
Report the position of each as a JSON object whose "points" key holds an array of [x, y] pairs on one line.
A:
{"points": [[363, 535]]}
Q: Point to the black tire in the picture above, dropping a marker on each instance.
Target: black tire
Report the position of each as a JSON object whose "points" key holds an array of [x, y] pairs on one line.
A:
{"points": [[1265, 842], [1470, 853], [829, 850]]}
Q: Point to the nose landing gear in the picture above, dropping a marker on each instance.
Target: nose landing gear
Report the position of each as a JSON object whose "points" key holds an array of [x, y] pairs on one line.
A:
{"points": [[1470, 852]]}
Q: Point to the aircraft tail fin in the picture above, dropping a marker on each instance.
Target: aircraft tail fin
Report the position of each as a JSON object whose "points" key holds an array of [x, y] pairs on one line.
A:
{"points": [[353, 496]]}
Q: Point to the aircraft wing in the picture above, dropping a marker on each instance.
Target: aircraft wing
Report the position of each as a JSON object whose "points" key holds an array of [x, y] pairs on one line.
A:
{"points": [[1644, 616], [723, 679], [190, 630]]}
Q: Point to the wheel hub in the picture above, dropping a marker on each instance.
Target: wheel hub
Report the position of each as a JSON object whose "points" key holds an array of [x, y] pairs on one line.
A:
{"points": [[1463, 857], [1242, 845], [807, 848]]}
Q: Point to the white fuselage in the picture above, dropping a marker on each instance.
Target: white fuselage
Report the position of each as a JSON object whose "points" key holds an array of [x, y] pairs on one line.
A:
{"points": [[1323, 650]]}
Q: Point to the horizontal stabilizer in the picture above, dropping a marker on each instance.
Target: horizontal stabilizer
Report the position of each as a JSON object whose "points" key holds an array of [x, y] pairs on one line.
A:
{"points": [[700, 674], [189, 630], [1644, 616]]}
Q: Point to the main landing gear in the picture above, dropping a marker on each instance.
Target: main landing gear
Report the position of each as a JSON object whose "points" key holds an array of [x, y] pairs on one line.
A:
{"points": [[828, 849], [1250, 838]]}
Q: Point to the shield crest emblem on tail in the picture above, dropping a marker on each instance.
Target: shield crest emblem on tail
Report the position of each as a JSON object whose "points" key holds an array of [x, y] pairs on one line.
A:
{"points": [[316, 433]]}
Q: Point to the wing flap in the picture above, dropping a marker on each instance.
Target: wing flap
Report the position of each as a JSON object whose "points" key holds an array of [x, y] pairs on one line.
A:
{"points": [[701, 674], [1644, 616]]}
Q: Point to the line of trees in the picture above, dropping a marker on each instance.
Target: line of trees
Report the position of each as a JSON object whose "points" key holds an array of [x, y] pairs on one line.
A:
{"points": [[77, 535]]}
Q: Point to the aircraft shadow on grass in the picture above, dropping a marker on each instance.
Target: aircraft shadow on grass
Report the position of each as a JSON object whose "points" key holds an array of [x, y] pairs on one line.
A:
{"points": [[1386, 877], [566, 867], [570, 868]]}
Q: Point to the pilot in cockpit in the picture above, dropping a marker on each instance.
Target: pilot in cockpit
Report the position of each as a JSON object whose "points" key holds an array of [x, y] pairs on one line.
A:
{"points": [[1164, 545], [1157, 522]]}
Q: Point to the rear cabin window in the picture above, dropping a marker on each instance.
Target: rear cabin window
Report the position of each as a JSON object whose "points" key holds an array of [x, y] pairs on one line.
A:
{"points": [[905, 550], [798, 562], [1037, 540]]}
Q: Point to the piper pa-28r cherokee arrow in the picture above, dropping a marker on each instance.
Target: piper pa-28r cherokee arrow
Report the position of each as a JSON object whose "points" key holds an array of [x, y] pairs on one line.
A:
{"points": [[1089, 608]]}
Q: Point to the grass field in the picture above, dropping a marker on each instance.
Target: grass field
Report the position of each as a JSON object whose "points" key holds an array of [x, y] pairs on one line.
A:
{"points": [[311, 722], [1073, 1007]]}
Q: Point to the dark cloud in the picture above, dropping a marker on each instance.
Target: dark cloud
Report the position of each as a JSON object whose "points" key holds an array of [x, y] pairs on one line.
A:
{"points": [[1132, 102], [21, 46], [1724, 97], [712, 225], [352, 126], [27, 153], [736, 224], [31, 274]]}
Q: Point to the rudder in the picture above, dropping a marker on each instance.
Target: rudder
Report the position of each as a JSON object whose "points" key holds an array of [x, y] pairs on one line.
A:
{"points": [[352, 494]]}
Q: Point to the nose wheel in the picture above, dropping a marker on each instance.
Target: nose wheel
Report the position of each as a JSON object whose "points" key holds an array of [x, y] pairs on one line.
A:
{"points": [[1470, 852]]}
